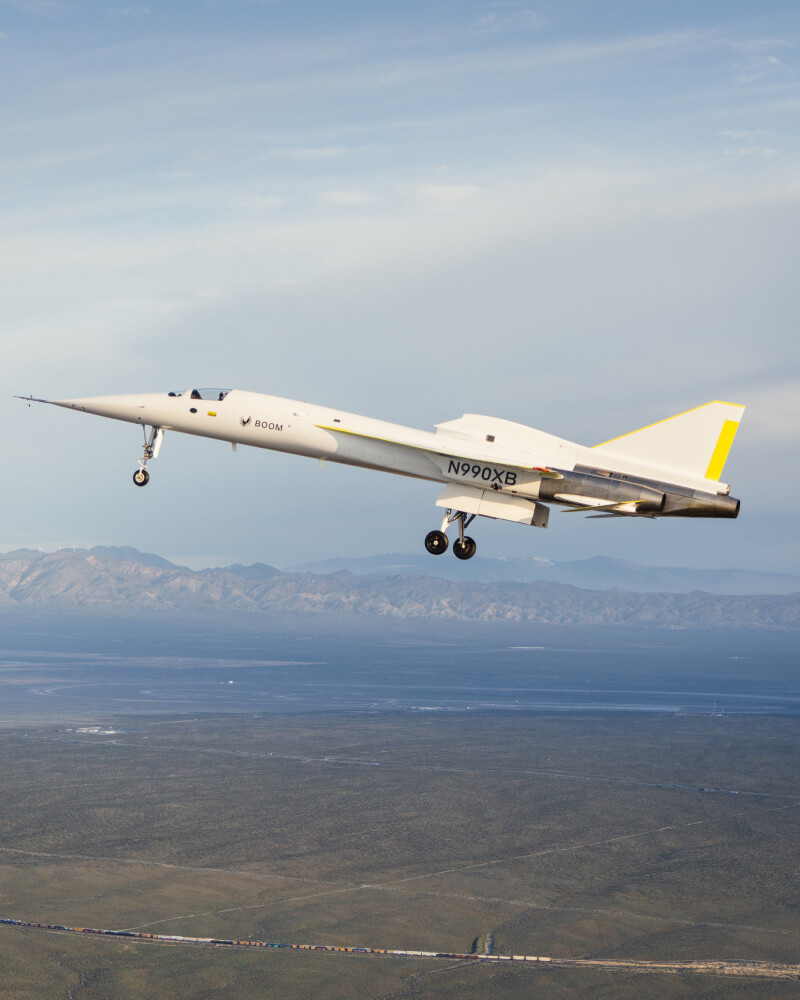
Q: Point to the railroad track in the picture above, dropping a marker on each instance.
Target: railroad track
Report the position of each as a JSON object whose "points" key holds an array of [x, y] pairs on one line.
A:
{"points": [[761, 970]]}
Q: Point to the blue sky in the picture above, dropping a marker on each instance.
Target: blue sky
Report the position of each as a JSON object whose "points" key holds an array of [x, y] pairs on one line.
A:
{"points": [[582, 217]]}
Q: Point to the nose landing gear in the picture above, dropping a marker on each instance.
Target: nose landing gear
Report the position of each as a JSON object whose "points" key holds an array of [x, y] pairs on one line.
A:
{"points": [[152, 446], [464, 547]]}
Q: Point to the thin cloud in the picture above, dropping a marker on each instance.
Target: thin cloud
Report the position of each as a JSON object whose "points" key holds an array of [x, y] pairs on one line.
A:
{"points": [[59, 158], [38, 6], [749, 134], [760, 152], [346, 198], [774, 412], [130, 11], [160, 95], [260, 202], [313, 153], [759, 68], [448, 195], [507, 16], [304, 153]]}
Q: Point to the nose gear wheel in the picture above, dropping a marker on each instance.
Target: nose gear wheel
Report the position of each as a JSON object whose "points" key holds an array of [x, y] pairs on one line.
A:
{"points": [[152, 445]]}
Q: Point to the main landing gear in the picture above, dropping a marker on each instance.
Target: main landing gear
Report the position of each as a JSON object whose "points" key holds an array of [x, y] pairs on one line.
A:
{"points": [[464, 547], [152, 445]]}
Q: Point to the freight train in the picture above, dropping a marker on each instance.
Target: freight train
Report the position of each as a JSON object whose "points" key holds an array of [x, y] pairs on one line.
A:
{"points": [[243, 943]]}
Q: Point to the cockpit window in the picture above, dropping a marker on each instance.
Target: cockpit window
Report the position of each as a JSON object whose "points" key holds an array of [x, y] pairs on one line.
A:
{"points": [[216, 394], [209, 394]]}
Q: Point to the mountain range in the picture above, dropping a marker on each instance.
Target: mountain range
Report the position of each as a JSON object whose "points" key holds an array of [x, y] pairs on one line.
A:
{"points": [[597, 573], [125, 581]]}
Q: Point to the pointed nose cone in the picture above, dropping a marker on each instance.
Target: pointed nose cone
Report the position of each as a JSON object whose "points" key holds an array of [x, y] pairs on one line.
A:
{"points": [[133, 408]]}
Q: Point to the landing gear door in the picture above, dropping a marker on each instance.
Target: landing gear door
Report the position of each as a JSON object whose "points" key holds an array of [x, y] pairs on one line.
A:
{"points": [[489, 503]]}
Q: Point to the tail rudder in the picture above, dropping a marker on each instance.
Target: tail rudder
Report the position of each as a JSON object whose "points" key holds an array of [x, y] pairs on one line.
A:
{"points": [[691, 446]]}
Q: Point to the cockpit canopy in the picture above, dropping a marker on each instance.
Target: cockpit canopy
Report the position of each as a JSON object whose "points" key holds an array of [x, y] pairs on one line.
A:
{"points": [[217, 395]]}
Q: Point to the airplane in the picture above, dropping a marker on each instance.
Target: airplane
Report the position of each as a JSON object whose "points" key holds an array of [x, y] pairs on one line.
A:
{"points": [[489, 467]]}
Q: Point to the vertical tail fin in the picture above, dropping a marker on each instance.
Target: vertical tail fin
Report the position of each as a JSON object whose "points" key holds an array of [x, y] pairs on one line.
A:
{"points": [[691, 446]]}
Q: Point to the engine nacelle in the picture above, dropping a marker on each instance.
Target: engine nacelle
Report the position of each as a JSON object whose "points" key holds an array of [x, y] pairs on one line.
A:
{"points": [[701, 505], [608, 490]]}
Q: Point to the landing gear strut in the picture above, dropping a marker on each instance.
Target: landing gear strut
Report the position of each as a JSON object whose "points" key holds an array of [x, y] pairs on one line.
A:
{"points": [[152, 445], [464, 547]]}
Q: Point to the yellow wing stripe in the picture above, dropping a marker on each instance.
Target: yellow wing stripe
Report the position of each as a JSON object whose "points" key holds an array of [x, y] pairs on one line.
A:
{"points": [[724, 442]]}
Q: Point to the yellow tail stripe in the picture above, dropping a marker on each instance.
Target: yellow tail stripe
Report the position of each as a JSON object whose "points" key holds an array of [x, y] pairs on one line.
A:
{"points": [[724, 442]]}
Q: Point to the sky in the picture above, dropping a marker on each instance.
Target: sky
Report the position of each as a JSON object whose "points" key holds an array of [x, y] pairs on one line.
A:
{"points": [[581, 217]]}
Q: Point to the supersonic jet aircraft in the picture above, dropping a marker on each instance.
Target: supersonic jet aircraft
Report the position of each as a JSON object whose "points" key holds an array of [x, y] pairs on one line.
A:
{"points": [[489, 467]]}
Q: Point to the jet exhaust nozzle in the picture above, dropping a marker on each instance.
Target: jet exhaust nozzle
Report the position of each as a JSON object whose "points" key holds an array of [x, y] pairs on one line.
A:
{"points": [[702, 505]]}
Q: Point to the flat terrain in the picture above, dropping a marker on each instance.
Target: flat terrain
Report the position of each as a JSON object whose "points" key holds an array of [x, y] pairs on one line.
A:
{"points": [[583, 835]]}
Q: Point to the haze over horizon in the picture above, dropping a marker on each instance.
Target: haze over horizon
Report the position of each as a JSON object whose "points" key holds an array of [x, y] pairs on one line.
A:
{"points": [[583, 220]]}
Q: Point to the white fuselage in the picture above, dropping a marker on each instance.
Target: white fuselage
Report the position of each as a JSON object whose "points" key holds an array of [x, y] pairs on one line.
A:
{"points": [[480, 451], [489, 466]]}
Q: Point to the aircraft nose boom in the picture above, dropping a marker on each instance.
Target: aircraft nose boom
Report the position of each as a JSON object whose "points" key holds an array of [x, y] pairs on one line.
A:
{"points": [[132, 408]]}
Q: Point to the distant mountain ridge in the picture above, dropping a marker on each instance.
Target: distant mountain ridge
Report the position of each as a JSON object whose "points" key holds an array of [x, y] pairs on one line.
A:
{"points": [[597, 573], [104, 580]]}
